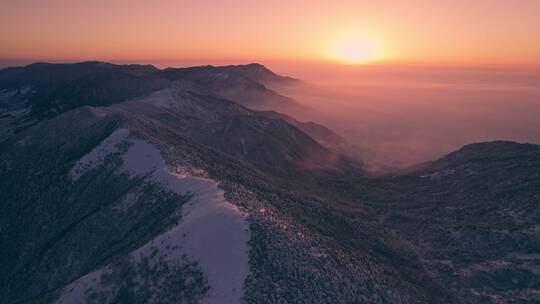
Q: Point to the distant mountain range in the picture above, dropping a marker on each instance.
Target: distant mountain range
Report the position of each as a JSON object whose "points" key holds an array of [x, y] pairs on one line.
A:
{"points": [[132, 184]]}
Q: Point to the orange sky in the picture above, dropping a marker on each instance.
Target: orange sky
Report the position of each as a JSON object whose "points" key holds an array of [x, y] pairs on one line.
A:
{"points": [[458, 31]]}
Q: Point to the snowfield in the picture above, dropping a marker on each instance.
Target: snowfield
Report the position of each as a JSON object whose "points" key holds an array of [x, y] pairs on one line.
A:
{"points": [[212, 232]]}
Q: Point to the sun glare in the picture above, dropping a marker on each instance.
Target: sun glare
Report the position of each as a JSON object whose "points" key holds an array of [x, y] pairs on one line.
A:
{"points": [[354, 49]]}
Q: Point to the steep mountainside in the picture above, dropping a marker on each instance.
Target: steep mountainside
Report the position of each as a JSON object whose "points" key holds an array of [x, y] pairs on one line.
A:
{"points": [[168, 192], [244, 84], [320, 133], [480, 220], [43, 90], [472, 217], [109, 198]]}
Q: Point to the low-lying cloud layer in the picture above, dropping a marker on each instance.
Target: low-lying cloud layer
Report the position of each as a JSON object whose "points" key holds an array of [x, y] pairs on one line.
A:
{"points": [[400, 116]]}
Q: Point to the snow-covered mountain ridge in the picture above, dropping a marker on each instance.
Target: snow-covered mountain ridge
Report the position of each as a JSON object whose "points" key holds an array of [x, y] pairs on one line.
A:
{"points": [[130, 184]]}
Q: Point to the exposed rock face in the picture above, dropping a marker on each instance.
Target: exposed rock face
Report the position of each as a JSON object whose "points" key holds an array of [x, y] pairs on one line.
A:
{"points": [[172, 193]]}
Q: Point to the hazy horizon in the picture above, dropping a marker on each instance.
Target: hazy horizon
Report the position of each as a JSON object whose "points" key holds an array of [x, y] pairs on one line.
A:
{"points": [[401, 115]]}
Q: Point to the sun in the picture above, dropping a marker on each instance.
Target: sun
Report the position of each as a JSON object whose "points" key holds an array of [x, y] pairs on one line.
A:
{"points": [[354, 49]]}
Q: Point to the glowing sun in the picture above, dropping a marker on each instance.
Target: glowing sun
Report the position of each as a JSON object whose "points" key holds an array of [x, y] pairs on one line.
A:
{"points": [[354, 49]]}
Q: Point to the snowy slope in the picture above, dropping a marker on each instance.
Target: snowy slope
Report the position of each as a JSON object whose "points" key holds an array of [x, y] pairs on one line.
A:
{"points": [[212, 232]]}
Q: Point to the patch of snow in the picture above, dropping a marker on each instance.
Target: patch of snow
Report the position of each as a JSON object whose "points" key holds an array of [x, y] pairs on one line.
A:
{"points": [[98, 111], [170, 97], [438, 175], [127, 201], [142, 158], [76, 291], [222, 76], [96, 157], [212, 231], [162, 98]]}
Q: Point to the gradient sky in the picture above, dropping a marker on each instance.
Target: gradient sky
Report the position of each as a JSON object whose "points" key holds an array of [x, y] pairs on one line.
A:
{"points": [[458, 31]]}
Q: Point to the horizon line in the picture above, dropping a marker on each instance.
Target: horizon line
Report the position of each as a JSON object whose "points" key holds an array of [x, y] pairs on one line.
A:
{"points": [[17, 62]]}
